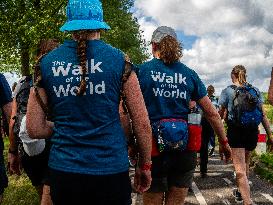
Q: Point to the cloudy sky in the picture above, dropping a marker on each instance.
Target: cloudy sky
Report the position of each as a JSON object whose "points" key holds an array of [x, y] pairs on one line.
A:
{"points": [[217, 35]]}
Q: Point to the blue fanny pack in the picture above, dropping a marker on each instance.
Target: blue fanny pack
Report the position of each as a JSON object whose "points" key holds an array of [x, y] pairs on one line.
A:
{"points": [[171, 134]]}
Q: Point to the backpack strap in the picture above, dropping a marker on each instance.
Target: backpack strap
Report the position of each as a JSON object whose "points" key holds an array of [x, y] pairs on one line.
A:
{"points": [[126, 73], [233, 87], [37, 78]]}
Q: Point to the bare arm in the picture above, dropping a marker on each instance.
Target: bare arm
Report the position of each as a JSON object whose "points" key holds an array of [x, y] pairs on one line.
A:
{"points": [[37, 125], [12, 142], [213, 117], [125, 121], [7, 111], [266, 125], [139, 116], [270, 91]]}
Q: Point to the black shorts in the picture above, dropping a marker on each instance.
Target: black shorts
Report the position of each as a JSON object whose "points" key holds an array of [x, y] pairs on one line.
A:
{"points": [[242, 137], [70, 188], [36, 167], [172, 169]]}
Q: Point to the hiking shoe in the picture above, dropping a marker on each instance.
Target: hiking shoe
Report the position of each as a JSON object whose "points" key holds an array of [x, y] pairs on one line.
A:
{"points": [[211, 153], [237, 195], [250, 183]]}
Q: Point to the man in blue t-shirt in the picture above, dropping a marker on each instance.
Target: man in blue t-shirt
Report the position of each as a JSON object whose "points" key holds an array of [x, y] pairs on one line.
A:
{"points": [[5, 103]]}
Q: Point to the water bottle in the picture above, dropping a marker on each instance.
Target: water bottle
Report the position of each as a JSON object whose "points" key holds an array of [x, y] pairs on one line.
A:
{"points": [[194, 117]]}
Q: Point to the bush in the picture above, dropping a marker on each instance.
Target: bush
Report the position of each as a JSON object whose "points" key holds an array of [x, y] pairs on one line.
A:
{"points": [[264, 167]]}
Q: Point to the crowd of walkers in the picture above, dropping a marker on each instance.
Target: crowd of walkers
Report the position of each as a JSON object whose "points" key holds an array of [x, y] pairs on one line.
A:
{"points": [[71, 125]]}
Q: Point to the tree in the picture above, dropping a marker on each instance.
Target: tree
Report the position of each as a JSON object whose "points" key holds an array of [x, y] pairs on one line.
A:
{"points": [[24, 22], [124, 33]]}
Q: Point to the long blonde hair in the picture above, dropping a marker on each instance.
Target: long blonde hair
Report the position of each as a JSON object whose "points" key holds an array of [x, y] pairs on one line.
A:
{"points": [[239, 71]]}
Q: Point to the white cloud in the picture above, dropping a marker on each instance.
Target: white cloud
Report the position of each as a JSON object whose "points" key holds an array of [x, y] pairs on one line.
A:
{"points": [[229, 32]]}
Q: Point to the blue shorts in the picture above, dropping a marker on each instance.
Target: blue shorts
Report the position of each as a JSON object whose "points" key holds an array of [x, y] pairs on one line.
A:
{"points": [[3, 175]]}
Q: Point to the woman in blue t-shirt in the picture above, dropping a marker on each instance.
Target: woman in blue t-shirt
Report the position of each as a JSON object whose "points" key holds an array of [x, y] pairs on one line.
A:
{"points": [[81, 84], [168, 86], [242, 135]]}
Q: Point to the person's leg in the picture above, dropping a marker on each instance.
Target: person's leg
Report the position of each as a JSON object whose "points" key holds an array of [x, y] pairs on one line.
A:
{"points": [[46, 198], [150, 198], [39, 189], [176, 195], [247, 160], [212, 143], [239, 162], [204, 153], [180, 178]]}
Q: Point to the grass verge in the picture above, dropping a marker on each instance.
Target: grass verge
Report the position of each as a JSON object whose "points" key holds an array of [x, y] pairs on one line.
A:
{"points": [[20, 191]]}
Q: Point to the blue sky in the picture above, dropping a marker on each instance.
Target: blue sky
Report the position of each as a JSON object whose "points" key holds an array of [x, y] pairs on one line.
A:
{"points": [[186, 40]]}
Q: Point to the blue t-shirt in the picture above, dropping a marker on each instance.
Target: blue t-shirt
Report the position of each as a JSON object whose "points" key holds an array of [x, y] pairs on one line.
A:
{"points": [[5, 91], [167, 90], [88, 137], [226, 99]]}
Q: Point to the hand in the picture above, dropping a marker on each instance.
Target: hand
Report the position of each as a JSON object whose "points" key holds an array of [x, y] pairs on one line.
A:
{"points": [[227, 152], [270, 143], [142, 180], [14, 164]]}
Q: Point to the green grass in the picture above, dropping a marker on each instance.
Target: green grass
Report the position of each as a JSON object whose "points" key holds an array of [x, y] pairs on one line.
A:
{"points": [[20, 191], [264, 166], [269, 112], [267, 159]]}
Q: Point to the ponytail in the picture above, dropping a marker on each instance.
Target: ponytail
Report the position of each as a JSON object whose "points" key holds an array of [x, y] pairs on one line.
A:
{"points": [[82, 46], [170, 50], [239, 71], [242, 77]]}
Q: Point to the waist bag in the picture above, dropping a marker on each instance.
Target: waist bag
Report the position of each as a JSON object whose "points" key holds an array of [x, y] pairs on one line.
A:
{"points": [[171, 134]]}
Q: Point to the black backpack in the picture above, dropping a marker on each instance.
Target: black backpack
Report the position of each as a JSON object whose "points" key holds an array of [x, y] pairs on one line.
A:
{"points": [[247, 106], [22, 100]]}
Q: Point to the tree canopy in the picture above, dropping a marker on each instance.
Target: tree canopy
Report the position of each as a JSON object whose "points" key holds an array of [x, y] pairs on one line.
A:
{"points": [[23, 23]]}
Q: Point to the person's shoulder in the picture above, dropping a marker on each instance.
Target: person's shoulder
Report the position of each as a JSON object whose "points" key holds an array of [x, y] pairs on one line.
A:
{"points": [[111, 50], [2, 77], [147, 63], [186, 69], [151, 64], [229, 90], [52, 54], [255, 88]]}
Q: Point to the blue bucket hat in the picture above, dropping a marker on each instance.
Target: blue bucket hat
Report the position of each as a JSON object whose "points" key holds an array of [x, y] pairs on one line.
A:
{"points": [[84, 15]]}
